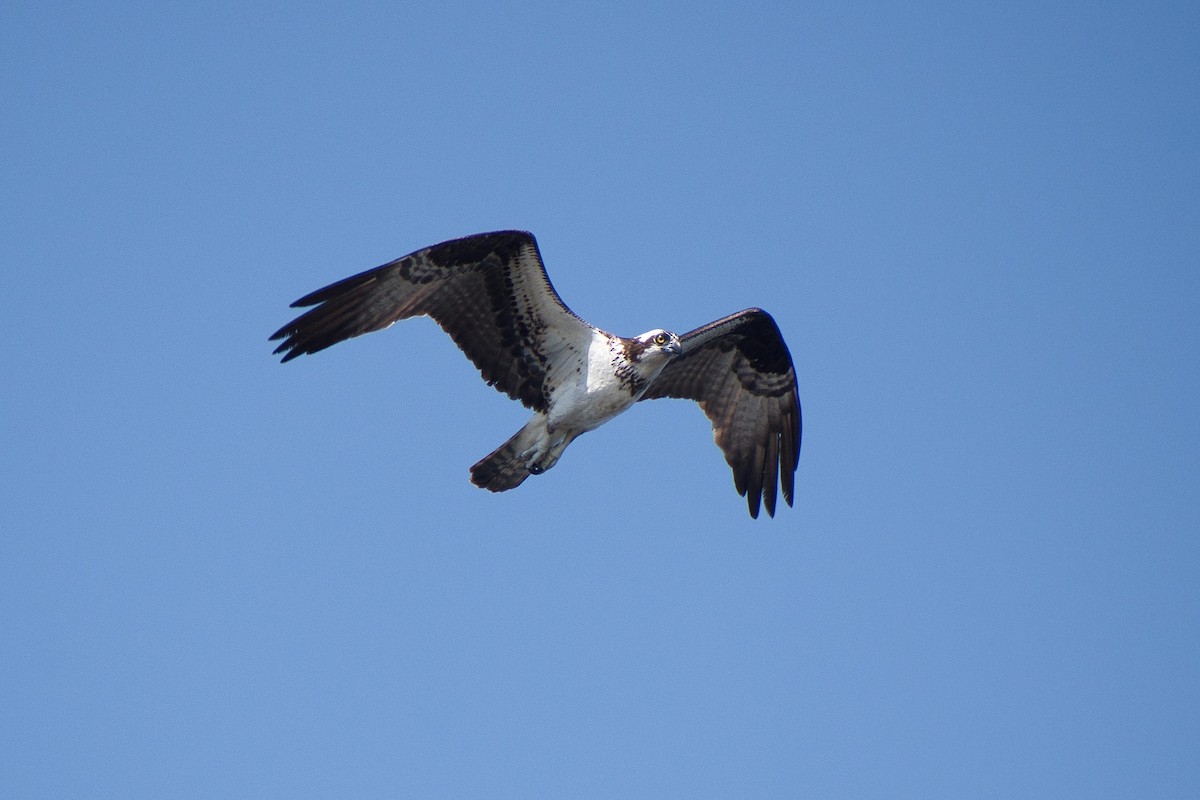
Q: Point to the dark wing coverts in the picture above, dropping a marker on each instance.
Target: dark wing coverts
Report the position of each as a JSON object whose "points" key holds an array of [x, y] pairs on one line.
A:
{"points": [[740, 372], [489, 292]]}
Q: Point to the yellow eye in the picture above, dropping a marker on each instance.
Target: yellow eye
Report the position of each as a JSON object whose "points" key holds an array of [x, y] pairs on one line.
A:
{"points": [[660, 339]]}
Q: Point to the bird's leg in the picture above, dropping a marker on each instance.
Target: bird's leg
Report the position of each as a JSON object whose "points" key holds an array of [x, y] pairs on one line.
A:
{"points": [[557, 445], [531, 456], [545, 453]]}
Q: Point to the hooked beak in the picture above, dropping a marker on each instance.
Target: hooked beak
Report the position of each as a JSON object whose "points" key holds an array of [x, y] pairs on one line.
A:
{"points": [[675, 348]]}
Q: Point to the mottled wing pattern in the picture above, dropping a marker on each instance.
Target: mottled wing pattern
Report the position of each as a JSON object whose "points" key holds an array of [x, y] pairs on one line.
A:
{"points": [[740, 372], [489, 292]]}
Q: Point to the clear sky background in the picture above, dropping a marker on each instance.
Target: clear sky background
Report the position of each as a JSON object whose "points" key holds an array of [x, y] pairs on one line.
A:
{"points": [[978, 228]]}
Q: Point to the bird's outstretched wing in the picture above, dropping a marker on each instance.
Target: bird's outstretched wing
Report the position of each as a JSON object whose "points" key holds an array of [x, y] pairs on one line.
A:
{"points": [[489, 292], [740, 372]]}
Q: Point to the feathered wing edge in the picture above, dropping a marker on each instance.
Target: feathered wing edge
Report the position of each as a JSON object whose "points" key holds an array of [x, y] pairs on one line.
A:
{"points": [[740, 371], [489, 292]]}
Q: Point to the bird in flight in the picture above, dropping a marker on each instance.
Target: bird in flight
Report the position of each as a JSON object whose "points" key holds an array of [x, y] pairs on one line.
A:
{"points": [[490, 292]]}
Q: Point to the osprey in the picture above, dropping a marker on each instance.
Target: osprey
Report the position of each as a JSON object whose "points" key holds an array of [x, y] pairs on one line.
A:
{"points": [[490, 292]]}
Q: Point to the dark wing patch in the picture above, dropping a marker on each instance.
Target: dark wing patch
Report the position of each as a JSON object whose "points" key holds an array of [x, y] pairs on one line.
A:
{"points": [[489, 292], [740, 372]]}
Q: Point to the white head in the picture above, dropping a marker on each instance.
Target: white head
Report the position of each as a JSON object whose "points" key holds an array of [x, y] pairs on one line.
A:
{"points": [[656, 345]]}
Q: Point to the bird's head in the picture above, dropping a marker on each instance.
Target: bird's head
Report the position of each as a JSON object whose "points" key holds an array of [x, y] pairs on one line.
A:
{"points": [[658, 344]]}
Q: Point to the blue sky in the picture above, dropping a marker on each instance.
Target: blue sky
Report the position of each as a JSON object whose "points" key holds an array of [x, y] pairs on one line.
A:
{"points": [[977, 228]]}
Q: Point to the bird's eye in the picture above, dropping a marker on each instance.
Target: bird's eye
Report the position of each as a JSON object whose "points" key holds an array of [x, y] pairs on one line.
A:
{"points": [[660, 339]]}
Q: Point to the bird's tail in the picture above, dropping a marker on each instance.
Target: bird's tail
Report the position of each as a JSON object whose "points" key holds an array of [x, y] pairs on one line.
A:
{"points": [[505, 468]]}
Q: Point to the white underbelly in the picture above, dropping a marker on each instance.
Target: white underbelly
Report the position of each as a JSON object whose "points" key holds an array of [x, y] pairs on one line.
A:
{"points": [[591, 396], [582, 408]]}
